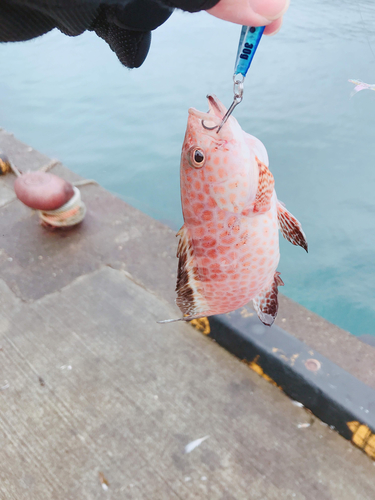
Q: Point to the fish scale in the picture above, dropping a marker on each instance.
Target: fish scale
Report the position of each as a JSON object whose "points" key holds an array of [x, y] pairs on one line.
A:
{"points": [[238, 253]]}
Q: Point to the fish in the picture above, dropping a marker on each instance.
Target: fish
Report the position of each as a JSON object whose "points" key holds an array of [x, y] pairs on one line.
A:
{"points": [[228, 247], [361, 86]]}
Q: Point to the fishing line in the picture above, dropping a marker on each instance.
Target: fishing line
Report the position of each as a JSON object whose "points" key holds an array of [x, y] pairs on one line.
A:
{"points": [[367, 32], [360, 85]]}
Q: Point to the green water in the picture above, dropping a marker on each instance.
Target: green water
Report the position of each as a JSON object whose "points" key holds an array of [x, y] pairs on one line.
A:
{"points": [[71, 99]]}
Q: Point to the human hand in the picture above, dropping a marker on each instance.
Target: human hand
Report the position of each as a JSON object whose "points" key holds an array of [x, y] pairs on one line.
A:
{"points": [[125, 25], [252, 13]]}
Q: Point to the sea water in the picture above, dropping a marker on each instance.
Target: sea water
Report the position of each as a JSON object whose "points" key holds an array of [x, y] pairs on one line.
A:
{"points": [[71, 99]]}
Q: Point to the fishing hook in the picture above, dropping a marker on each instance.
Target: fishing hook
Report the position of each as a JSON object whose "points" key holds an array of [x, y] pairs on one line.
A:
{"points": [[238, 81]]}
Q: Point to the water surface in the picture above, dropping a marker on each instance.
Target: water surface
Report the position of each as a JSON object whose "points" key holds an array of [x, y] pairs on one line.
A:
{"points": [[71, 99]]}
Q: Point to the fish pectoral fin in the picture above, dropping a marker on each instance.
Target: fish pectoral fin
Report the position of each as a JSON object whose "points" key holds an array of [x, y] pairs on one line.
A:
{"points": [[266, 183], [290, 227], [190, 297], [266, 303]]}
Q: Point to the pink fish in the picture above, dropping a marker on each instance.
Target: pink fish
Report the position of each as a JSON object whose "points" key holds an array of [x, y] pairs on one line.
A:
{"points": [[229, 244]]}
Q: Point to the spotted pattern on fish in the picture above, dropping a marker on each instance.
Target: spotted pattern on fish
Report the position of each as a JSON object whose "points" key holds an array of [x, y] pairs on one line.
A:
{"points": [[229, 248]]}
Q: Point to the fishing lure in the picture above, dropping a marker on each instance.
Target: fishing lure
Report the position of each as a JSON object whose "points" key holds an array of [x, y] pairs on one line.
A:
{"points": [[247, 46]]}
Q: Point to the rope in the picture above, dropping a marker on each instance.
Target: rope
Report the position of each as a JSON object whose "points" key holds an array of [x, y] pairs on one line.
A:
{"points": [[49, 166], [84, 182], [15, 169], [70, 214], [6, 165]]}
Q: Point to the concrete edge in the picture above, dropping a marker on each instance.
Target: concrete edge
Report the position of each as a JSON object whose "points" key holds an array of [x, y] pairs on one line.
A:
{"points": [[331, 393], [337, 396]]}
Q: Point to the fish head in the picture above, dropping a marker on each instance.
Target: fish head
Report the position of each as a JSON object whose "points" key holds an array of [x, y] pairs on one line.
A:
{"points": [[218, 169]]}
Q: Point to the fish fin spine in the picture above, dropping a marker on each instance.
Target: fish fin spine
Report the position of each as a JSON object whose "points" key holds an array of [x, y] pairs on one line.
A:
{"points": [[290, 227]]}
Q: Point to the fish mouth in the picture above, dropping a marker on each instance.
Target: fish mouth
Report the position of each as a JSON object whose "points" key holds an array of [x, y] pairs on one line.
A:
{"points": [[208, 120], [216, 106], [213, 118]]}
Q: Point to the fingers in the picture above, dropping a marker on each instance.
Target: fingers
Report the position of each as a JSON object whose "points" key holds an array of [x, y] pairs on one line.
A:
{"points": [[274, 27], [270, 9], [131, 47], [252, 12], [126, 27]]}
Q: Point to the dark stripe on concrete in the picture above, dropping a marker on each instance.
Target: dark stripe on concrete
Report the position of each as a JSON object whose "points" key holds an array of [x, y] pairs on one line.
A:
{"points": [[330, 392]]}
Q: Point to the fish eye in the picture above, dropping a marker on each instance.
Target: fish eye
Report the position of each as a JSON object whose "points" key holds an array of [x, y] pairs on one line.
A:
{"points": [[197, 158]]}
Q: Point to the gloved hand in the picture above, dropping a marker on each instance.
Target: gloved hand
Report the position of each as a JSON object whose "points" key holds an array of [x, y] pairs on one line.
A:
{"points": [[124, 24]]}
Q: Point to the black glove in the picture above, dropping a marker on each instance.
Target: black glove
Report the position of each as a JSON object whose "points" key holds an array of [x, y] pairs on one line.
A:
{"points": [[127, 28], [124, 24]]}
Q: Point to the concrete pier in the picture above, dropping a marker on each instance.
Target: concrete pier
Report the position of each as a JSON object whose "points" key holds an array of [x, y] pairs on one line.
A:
{"points": [[99, 401]]}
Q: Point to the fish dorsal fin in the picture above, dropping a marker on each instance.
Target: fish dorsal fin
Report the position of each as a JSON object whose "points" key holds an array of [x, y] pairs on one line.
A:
{"points": [[290, 227], [190, 296], [264, 194], [266, 303]]}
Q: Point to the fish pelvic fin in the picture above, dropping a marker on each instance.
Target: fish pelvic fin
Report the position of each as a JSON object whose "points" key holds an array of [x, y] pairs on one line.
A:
{"points": [[266, 184], [290, 227], [266, 302], [190, 296]]}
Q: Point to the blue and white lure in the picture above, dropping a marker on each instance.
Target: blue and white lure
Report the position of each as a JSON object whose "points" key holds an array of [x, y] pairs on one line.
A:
{"points": [[248, 44]]}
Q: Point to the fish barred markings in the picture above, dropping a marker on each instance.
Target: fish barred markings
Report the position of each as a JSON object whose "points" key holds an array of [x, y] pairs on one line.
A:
{"points": [[290, 228], [266, 303], [265, 189], [189, 299], [228, 250]]}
